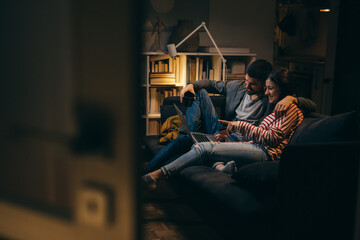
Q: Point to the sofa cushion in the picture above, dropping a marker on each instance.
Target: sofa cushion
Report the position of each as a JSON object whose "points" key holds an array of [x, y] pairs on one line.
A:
{"points": [[167, 111], [336, 128], [260, 178], [152, 145], [222, 188]]}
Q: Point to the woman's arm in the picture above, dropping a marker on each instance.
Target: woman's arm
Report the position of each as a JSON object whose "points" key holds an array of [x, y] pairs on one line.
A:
{"points": [[271, 131]]}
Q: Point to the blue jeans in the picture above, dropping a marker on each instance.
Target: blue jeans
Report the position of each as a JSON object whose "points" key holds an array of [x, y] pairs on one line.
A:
{"points": [[208, 153], [202, 110], [176, 147]]}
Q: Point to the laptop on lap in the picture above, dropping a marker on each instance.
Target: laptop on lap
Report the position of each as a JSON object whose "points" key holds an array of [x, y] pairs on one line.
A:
{"points": [[195, 136]]}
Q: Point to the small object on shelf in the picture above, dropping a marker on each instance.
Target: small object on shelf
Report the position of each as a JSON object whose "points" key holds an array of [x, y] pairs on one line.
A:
{"points": [[159, 25], [224, 50]]}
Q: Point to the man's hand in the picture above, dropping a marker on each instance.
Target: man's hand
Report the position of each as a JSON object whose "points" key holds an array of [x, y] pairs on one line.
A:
{"points": [[231, 125], [188, 88], [282, 106]]}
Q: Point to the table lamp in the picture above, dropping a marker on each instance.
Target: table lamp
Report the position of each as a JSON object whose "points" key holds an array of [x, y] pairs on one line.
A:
{"points": [[172, 48]]}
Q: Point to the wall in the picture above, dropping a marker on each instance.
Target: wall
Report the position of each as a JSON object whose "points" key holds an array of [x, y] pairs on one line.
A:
{"points": [[244, 23], [312, 27], [68, 67], [232, 23], [36, 100]]}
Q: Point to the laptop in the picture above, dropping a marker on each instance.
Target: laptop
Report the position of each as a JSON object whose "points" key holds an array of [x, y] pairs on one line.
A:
{"points": [[196, 136]]}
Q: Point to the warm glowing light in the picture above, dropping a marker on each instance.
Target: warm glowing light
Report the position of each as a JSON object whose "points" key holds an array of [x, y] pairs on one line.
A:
{"points": [[325, 10]]}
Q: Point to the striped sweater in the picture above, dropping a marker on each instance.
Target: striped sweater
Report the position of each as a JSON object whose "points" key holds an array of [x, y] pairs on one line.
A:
{"points": [[273, 133]]}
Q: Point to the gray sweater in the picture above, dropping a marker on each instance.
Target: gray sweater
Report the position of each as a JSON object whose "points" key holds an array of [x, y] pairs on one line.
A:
{"points": [[234, 92]]}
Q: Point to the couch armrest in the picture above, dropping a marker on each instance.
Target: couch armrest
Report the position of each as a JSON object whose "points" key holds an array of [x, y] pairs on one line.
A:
{"points": [[318, 190]]}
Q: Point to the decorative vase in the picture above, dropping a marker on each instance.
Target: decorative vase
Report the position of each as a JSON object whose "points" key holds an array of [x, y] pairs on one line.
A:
{"points": [[184, 28]]}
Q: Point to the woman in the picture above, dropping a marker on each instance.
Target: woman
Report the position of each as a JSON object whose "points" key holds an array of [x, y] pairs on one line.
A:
{"points": [[263, 143]]}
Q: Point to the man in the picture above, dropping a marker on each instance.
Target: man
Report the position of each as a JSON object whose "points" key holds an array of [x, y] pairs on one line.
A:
{"points": [[244, 101]]}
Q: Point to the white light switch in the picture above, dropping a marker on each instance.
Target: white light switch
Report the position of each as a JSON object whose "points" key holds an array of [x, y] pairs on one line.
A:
{"points": [[92, 207]]}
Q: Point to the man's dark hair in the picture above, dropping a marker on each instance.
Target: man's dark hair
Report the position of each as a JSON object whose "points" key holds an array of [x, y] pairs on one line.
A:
{"points": [[259, 69]]}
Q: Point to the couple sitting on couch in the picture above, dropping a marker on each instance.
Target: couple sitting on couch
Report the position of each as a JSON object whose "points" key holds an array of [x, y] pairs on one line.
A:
{"points": [[245, 140]]}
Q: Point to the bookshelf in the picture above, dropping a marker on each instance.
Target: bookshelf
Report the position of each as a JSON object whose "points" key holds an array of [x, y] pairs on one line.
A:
{"points": [[164, 76]]}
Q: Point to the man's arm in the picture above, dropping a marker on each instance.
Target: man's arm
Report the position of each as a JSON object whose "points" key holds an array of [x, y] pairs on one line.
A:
{"points": [[304, 104], [211, 86]]}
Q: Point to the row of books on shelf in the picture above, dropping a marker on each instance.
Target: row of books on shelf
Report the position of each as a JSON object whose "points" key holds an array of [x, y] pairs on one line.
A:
{"points": [[192, 69], [182, 69], [157, 96], [204, 68], [171, 75], [186, 69], [235, 76], [161, 64], [162, 79]]}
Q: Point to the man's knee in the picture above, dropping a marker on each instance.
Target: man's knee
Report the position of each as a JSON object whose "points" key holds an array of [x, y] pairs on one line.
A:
{"points": [[202, 93], [203, 98]]}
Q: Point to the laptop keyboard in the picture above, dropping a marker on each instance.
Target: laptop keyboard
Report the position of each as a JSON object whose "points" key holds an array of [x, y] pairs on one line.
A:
{"points": [[200, 137]]}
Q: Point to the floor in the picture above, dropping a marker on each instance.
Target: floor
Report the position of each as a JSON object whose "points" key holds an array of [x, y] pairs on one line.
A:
{"points": [[167, 217]]}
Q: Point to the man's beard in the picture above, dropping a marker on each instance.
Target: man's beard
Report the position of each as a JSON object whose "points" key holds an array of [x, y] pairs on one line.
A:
{"points": [[254, 92]]}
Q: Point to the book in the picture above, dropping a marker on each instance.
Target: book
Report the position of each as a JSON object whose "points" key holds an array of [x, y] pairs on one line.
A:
{"points": [[154, 101], [201, 63], [211, 74], [177, 69], [197, 68], [230, 76], [224, 50], [183, 70], [160, 57], [162, 81], [192, 70], [162, 75], [216, 63], [171, 65], [161, 66]]}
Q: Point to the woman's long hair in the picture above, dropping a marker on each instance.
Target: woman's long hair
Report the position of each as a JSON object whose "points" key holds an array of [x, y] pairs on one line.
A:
{"points": [[283, 78]]}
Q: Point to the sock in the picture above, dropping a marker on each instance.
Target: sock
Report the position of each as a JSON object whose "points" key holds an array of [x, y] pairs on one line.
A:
{"points": [[229, 167]]}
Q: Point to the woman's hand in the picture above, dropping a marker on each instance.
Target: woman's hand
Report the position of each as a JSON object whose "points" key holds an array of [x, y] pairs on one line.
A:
{"points": [[231, 125], [222, 136], [188, 88]]}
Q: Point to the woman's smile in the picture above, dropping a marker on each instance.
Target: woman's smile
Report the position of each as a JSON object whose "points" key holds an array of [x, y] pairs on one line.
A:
{"points": [[272, 91]]}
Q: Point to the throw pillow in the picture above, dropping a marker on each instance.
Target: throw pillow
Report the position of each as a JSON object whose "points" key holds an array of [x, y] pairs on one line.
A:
{"points": [[336, 128]]}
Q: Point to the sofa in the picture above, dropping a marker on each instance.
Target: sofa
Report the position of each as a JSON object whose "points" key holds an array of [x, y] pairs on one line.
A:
{"points": [[293, 198]]}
